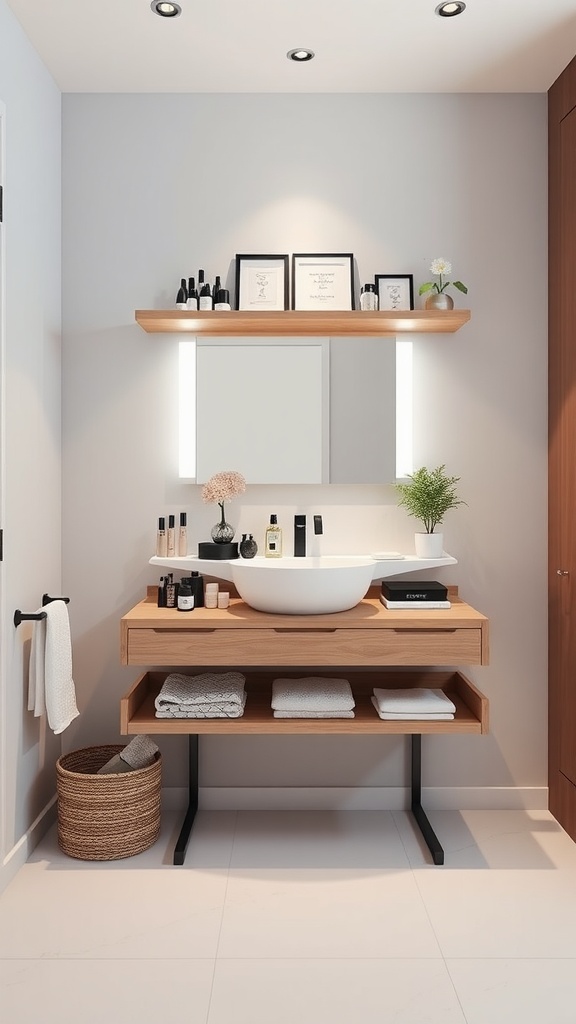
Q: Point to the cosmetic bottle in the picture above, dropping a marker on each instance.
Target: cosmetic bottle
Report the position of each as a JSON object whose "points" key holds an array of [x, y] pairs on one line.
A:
{"points": [[192, 300], [181, 299], [171, 541], [222, 299], [368, 297], [185, 596], [171, 591], [162, 593], [248, 546], [161, 539], [197, 583], [273, 539], [217, 287], [183, 536], [205, 297]]}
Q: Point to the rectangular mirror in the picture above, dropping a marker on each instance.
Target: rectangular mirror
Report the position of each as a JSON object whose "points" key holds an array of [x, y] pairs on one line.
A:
{"points": [[291, 410]]}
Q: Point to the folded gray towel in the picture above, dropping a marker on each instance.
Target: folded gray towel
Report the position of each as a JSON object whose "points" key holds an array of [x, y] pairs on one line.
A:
{"points": [[208, 709], [314, 714], [312, 693], [208, 688]]}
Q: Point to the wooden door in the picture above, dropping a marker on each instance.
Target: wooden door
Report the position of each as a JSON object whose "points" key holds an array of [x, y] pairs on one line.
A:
{"points": [[562, 442]]}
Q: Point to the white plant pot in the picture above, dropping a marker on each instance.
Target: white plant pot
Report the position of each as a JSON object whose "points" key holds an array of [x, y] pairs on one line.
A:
{"points": [[429, 545]]}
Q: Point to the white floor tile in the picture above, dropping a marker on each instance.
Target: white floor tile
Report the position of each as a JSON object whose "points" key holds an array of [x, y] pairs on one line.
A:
{"points": [[500, 913], [317, 839], [105, 992], [491, 839], [510, 991], [333, 992], [53, 908], [320, 913]]}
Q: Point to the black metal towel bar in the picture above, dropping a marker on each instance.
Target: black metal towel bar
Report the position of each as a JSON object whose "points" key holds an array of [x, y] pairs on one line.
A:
{"points": [[36, 616]]}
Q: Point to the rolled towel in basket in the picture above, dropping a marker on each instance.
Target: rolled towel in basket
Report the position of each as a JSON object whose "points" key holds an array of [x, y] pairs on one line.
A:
{"points": [[415, 700], [312, 693], [207, 695]]}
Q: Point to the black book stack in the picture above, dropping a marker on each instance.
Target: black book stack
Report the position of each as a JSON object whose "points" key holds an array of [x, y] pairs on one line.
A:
{"points": [[419, 594]]}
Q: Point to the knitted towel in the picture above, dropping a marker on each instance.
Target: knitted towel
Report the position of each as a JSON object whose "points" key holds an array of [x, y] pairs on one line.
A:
{"points": [[414, 700], [51, 686], [313, 714], [312, 693], [208, 695]]}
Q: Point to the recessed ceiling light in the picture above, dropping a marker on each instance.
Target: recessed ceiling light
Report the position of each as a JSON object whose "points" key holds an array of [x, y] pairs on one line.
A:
{"points": [[300, 54], [165, 10], [449, 10]]}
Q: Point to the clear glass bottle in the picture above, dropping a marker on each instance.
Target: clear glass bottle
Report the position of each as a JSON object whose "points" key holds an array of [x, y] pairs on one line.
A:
{"points": [[273, 539]]}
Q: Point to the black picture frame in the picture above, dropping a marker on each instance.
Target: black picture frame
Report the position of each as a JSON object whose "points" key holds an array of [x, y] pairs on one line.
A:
{"points": [[337, 279], [262, 281], [383, 290]]}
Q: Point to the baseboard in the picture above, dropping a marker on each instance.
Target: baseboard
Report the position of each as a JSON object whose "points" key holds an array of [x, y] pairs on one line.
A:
{"points": [[19, 853], [384, 798]]}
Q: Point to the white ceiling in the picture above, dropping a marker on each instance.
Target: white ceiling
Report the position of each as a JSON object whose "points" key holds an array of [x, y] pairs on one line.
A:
{"points": [[360, 45]]}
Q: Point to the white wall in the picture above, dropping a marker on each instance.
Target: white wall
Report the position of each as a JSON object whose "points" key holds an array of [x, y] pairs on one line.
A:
{"points": [[31, 419], [157, 186]]}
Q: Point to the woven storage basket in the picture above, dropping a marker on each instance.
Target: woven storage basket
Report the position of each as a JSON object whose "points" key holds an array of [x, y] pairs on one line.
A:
{"points": [[106, 817]]}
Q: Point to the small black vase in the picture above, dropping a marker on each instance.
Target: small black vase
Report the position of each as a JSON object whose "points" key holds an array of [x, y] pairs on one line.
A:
{"points": [[248, 546]]}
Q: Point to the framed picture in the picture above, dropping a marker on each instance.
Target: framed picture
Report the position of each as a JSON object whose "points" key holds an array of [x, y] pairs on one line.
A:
{"points": [[262, 282], [323, 280], [395, 291]]}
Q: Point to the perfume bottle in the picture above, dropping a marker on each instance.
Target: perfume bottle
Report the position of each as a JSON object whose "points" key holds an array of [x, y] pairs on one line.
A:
{"points": [[273, 539], [204, 293], [192, 300], [368, 297]]}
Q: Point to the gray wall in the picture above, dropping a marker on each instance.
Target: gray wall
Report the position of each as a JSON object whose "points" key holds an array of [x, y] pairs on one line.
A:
{"points": [[30, 430], [157, 186]]}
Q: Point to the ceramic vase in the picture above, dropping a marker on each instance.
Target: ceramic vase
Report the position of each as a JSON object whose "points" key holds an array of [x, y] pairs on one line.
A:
{"points": [[439, 300], [429, 545]]}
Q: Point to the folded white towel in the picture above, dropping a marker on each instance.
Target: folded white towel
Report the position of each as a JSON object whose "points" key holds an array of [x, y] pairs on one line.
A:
{"points": [[222, 688], [415, 699], [205, 710], [51, 686], [407, 716], [314, 714], [312, 693]]}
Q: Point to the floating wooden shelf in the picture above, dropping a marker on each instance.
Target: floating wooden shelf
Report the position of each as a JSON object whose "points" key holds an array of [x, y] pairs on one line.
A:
{"points": [[292, 323]]}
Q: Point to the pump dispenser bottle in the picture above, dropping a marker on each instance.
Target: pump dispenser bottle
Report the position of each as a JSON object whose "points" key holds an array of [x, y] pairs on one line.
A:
{"points": [[273, 539]]}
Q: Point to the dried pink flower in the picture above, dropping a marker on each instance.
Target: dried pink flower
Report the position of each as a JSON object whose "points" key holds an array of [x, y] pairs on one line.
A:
{"points": [[223, 486]]}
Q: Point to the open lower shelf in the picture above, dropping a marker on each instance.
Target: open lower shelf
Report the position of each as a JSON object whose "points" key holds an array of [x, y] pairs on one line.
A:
{"points": [[137, 706], [291, 322]]}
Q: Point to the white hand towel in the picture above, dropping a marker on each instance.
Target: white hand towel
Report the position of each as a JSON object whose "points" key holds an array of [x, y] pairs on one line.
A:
{"points": [[208, 687], [416, 699], [407, 716], [314, 714], [312, 693], [36, 701], [59, 687]]}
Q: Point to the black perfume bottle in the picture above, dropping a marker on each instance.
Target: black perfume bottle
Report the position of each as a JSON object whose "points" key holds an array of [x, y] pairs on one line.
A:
{"points": [[248, 546]]}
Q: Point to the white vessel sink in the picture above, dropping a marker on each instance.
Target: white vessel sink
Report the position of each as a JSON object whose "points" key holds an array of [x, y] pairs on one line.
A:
{"points": [[303, 586]]}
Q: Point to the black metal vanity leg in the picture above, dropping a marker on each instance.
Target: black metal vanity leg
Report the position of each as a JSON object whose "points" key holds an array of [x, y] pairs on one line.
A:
{"points": [[184, 837], [418, 811]]}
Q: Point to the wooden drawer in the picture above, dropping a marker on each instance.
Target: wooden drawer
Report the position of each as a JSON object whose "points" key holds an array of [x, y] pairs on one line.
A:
{"points": [[287, 646], [137, 710]]}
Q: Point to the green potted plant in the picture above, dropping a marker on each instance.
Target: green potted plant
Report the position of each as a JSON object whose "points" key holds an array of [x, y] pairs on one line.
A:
{"points": [[428, 495], [438, 297]]}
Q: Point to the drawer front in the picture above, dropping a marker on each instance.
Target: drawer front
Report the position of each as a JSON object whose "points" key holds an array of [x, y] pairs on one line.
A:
{"points": [[304, 647]]}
